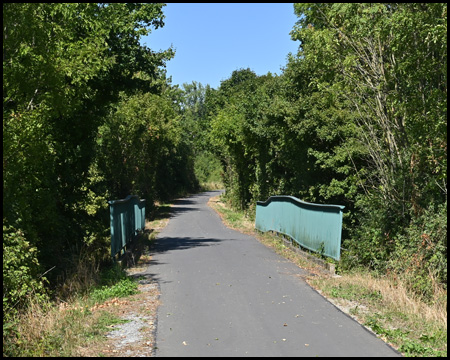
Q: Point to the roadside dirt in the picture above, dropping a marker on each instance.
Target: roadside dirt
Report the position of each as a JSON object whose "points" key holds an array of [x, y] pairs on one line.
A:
{"points": [[136, 336]]}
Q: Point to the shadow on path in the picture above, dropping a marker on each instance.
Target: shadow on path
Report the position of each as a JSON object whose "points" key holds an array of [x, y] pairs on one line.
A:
{"points": [[164, 244]]}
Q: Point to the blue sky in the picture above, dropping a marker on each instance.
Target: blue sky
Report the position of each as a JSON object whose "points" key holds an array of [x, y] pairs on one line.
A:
{"points": [[213, 40]]}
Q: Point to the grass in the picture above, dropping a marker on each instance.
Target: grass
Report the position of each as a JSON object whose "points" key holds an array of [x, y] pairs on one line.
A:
{"points": [[123, 288], [57, 330], [62, 328], [381, 303], [390, 310]]}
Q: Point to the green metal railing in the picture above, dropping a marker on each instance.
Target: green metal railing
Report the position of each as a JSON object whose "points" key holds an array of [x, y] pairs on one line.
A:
{"points": [[127, 219], [313, 226]]}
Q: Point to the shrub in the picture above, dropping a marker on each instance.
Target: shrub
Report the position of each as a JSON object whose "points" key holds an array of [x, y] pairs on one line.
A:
{"points": [[421, 252], [20, 272]]}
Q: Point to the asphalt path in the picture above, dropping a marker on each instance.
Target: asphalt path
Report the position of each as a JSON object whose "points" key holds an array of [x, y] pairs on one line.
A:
{"points": [[223, 293]]}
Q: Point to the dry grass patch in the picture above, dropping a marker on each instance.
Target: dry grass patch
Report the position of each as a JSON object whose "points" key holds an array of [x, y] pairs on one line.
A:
{"points": [[57, 331], [384, 305]]}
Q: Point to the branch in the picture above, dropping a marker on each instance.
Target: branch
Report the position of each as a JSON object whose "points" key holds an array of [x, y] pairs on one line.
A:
{"points": [[30, 104]]}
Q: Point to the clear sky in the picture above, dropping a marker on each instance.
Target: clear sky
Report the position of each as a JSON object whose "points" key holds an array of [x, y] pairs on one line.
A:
{"points": [[213, 40]]}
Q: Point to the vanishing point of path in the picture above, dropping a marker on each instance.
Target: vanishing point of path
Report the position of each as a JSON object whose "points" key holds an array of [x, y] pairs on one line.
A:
{"points": [[224, 293]]}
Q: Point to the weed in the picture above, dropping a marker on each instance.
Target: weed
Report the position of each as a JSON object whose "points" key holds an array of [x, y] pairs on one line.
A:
{"points": [[124, 287]]}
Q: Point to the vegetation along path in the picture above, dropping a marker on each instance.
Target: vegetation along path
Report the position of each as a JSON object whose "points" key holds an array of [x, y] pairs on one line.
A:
{"points": [[223, 293]]}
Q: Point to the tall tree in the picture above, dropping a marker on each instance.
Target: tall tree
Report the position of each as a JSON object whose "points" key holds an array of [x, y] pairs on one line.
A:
{"points": [[384, 68], [365, 45], [64, 64]]}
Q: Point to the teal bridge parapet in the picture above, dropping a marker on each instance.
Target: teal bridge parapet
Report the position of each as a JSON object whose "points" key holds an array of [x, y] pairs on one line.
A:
{"points": [[127, 219], [315, 227]]}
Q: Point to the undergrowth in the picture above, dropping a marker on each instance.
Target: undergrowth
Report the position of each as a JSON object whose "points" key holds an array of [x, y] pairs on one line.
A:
{"points": [[59, 327]]}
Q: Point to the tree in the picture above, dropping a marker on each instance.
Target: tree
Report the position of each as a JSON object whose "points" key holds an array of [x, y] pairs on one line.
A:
{"points": [[367, 46], [384, 68], [142, 149], [63, 66]]}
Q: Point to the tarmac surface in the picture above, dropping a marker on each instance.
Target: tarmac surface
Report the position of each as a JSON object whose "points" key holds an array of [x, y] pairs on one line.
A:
{"points": [[223, 293]]}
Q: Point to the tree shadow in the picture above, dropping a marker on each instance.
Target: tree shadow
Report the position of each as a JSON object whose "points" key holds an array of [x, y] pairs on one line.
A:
{"points": [[182, 202], [165, 244], [143, 244], [177, 211], [162, 245]]}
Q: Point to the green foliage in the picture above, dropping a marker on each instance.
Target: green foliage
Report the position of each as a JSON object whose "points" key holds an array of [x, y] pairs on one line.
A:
{"points": [[197, 132], [423, 346], [137, 142], [114, 282], [362, 72], [357, 118], [21, 278], [420, 255], [123, 288], [207, 168], [67, 70]]}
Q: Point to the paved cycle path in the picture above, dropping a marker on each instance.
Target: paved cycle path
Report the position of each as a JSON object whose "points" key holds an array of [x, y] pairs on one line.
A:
{"points": [[224, 293]]}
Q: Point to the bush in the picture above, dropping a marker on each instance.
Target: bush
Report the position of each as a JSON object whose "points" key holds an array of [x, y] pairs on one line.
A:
{"points": [[20, 272], [420, 257]]}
